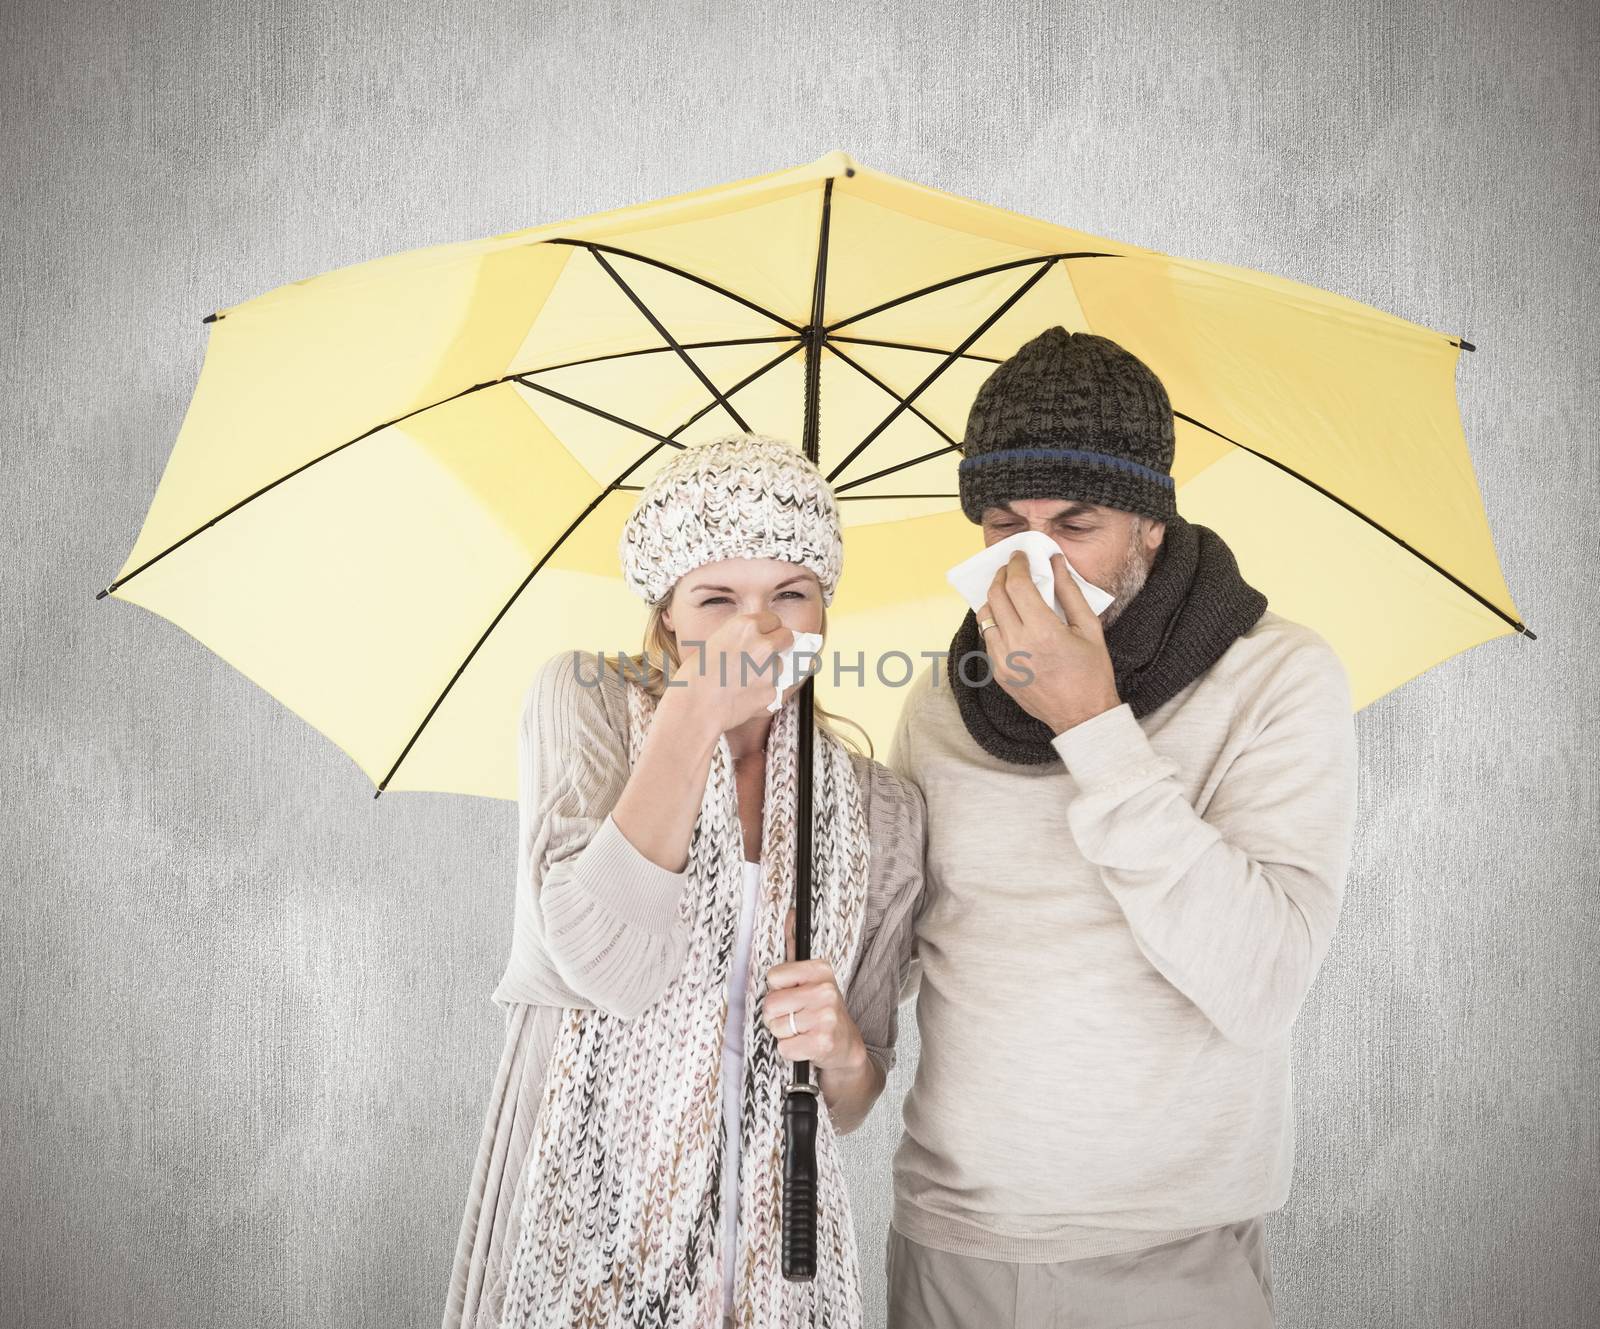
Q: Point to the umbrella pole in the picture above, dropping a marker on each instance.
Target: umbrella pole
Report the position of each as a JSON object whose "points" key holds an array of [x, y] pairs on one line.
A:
{"points": [[800, 1102]]}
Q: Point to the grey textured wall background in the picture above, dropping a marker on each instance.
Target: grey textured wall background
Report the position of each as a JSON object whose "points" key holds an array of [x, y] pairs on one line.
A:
{"points": [[247, 1035]]}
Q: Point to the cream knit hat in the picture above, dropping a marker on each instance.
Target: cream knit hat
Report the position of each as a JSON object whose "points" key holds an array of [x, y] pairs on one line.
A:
{"points": [[738, 496]]}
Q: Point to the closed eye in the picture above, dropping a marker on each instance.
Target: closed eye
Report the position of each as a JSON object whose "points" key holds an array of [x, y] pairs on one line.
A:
{"points": [[718, 599]]}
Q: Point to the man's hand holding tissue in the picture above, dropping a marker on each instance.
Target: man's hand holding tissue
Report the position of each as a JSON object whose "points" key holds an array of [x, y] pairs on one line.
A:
{"points": [[1063, 674]]}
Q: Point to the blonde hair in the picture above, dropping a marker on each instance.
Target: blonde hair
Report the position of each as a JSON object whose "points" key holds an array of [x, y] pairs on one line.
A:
{"points": [[661, 643]]}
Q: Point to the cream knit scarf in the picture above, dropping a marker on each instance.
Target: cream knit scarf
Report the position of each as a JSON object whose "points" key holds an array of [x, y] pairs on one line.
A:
{"points": [[623, 1223]]}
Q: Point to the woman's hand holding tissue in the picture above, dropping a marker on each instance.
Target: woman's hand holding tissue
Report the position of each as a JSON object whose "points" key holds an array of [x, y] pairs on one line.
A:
{"points": [[729, 678], [1060, 673]]}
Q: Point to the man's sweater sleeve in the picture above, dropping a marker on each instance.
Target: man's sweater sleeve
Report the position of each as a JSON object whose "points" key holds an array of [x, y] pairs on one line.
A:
{"points": [[1236, 908], [603, 916]]}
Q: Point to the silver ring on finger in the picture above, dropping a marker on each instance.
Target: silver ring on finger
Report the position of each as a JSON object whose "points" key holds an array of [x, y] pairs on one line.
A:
{"points": [[794, 1029], [985, 625]]}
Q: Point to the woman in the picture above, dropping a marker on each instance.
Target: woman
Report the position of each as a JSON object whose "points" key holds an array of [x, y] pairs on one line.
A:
{"points": [[630, 1163]]}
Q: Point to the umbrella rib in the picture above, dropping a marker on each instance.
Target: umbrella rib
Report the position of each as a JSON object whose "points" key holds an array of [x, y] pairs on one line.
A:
{"points": [[672, 341], [597, 249], [898, 466], [1048, 260], [907, 346], [841, 497], [615, 484], [1289, 470], [595, 410], [1377, 526], [949, 359], [741, 385], [874, 379], [642, 429], [476, 387], [657, 350], [1002, 267], [289, 475], [504, 610]]}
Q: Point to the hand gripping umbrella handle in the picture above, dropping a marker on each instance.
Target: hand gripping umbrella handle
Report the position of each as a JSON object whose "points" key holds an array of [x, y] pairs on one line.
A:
{"points": [[800, 1183]]}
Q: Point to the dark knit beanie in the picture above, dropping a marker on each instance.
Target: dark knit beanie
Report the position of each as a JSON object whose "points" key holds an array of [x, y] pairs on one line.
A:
{"points": [[1070, 415]]}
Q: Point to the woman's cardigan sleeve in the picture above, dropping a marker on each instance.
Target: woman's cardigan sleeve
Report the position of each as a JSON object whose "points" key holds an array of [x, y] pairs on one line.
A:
{"points": [[897, 824], [596, 922]]}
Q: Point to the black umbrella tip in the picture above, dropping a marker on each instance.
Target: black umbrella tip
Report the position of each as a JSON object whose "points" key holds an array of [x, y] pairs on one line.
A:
{"points": [[211, 318], [1465, 345], [101, 595], [1527, 632]]}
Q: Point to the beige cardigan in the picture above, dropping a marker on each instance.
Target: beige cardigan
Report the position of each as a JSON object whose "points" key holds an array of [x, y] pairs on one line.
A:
{"points": [[594, 928]]}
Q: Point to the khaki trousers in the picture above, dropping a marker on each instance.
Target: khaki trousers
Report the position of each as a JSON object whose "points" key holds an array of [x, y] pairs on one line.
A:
{"points": [[1217, 1279]]}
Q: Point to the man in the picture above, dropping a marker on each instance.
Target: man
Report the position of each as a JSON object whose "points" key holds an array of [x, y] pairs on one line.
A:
{"points": [[1138, 832]]}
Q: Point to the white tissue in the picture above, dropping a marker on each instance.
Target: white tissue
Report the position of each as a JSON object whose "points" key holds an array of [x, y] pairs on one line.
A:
{"points": [[973, 578], [788, 671]]}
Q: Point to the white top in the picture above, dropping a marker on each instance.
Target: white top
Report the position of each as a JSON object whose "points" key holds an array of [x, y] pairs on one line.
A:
{"points": [[733, 1078]]}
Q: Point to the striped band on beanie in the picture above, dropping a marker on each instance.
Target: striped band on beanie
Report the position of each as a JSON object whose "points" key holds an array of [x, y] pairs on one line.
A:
{"points": [[1073, 416]]}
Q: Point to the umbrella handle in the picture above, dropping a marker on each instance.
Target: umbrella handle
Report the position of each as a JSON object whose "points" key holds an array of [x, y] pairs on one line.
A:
{"points": [[800, 1102], [800, 1183]]}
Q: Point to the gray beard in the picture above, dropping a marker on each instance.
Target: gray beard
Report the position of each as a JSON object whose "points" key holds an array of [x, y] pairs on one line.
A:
{"points": [[1129, 580]]}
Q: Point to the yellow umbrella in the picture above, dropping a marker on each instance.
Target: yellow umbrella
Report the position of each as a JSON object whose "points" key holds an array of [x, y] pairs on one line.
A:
{"points": [[399, 485]]}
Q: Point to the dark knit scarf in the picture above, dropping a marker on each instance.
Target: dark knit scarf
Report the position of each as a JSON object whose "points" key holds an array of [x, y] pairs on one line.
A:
{"points": [[1191, 608]]}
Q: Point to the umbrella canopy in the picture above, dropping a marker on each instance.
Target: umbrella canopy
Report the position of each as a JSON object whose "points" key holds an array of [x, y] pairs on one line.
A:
{"points": [[400, 484]]}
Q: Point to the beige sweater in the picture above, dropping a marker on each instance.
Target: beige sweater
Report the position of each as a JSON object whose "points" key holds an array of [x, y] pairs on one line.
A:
{"points": [[595, 926], [1111, 953]]}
